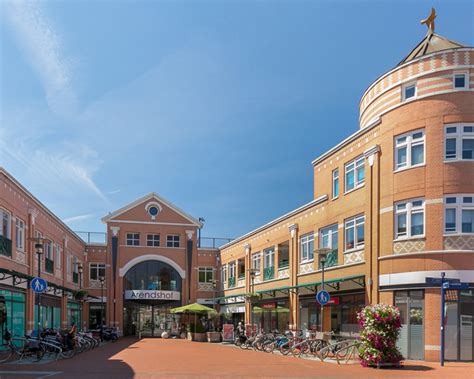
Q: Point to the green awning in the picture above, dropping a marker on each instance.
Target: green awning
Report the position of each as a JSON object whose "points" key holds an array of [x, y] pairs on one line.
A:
{"points": [[193, 309], [275, 289]]}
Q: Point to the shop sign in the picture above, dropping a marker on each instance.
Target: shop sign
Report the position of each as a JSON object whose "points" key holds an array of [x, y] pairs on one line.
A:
{"points": [[333, 301], [152, 295], [268, 306], [228, 332]]}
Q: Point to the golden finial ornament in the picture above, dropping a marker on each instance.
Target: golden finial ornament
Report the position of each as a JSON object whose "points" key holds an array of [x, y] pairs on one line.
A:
{"points": [[429, 21]]}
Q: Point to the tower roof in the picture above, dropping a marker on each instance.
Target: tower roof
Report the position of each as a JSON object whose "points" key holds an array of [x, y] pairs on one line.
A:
{"points": [[430, 44]]}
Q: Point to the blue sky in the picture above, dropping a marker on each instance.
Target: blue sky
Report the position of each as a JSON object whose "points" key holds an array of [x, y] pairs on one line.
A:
{"points": [[219, 106]]}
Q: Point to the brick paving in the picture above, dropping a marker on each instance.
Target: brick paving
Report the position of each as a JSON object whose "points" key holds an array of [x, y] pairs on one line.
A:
{"points": [[157, 358]]}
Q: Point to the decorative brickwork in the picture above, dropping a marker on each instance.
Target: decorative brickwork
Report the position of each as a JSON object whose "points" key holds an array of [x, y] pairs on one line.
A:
{"points": [[284, 273], [459, 243], [410, 246], [354, 257], [306, 268]]}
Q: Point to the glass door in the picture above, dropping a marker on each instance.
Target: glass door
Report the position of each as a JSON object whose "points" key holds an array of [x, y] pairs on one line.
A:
{"points": [[411, 341], [146, 321]]}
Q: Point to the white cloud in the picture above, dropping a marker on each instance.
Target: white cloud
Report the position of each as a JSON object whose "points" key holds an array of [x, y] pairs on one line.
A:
{"points": [[41, 45], [78, 218]]}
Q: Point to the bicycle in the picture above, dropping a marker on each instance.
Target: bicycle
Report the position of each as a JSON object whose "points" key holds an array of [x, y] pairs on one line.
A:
{"points": [[30, 349]]}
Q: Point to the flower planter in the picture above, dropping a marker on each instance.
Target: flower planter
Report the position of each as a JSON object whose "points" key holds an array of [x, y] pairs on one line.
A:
{"points": [[213, 337], [197, 337]]}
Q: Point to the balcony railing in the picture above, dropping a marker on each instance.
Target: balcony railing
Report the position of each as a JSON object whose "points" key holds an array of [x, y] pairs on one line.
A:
{"points": [[213, 242], [93, 237], [268, 273], [283, 264], [231, 282], [331, 259], [75, 277], [5, 246], [242, 276], [49, 265]]}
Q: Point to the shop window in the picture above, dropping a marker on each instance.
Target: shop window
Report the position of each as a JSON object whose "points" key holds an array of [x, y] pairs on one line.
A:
{"points": [[354, 233], [307, 248], [460, 80], [20, 234], [459, 214], [410, 219], [172, 241], [409, 91], [5, 223], [256, 262], [16, 317], [355, 174], [459, 142], [335, 183], [328, 238], [96, 271], [133, 239], [153, 240], [410, 150], [205, 274]]}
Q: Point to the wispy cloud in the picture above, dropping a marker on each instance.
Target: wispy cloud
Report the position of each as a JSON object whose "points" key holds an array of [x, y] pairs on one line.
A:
{"points": [[41, 45], [113, 192], [73, 219]]}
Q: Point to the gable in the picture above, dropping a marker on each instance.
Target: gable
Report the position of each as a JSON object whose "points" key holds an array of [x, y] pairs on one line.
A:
{"points": [[139, 211]]}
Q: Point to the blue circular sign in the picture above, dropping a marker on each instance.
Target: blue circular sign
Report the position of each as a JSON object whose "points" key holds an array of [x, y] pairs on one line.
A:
{"points": [[39, 285], [323, 297]]}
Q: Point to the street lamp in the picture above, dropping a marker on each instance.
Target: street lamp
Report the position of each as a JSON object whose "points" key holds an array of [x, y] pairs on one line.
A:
{"points": [[102, 280], [39, 251], [252, 273], [80, 269], [214, 287], [322, 260]]}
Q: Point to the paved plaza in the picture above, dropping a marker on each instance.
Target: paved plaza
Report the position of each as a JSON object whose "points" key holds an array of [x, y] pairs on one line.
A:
{"points": [[157, 358]]}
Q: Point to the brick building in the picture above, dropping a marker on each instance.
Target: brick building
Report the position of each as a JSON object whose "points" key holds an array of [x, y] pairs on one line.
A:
{"points": [[393, 204]]}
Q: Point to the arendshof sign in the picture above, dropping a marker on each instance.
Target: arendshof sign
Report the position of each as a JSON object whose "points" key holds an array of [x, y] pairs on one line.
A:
{"points": [[152, 295]]}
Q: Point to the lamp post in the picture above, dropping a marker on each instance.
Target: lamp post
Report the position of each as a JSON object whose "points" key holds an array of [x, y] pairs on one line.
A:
{"points": [[80, 269], [201, 219], [252, 273], [102, 280], [39, 251], [322, 260], [214, 287]]}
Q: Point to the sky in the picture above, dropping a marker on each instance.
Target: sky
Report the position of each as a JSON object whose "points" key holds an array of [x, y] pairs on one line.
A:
{"points": [[218, 106]]}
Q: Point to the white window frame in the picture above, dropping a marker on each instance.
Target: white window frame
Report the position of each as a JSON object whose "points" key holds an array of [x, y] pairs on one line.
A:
{"points": [[68, 262], [459, 136], [96, 267], [207, 271], [5, 220], [409, 210], [20, 234], [409, 143], [232, 270], [131, 238], [335, 178], [75, 264], [269, 257], [404, 89], [173, 241], [354, 222], [330, 231], [58, 255], [257, 262], [305, 244], [458, 206], [151, 238], [48, 249], [223, 275], [357, 163], [466, 80]]}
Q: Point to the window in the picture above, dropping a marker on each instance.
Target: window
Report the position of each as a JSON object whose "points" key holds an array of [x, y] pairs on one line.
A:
{"points": [[96, 271], [410, 150], [355, 174], [205, 274], [153, 240], [256, 259], [459, 214], [328, 237], [5, 223], [20, 234], [307, 247], [409, 218], [58, 255], [172, 241], [354, 232], [335, 183], [68, 263], [75, 265], [460, 80], [232, 270], [223, 275], [409, 91], [133, 239], [459, 142], [48, 250], [269, 257]]}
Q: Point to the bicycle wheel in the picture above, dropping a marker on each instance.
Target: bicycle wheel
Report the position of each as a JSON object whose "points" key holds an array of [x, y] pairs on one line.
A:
{"points": [[322, 350], [69, 353], [298, 349], [6, 352], [285, 348], [269, 346], [35, 355]]}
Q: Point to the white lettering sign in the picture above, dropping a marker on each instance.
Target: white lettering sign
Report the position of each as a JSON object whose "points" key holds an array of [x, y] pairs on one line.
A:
{"points": [[152, 295]]}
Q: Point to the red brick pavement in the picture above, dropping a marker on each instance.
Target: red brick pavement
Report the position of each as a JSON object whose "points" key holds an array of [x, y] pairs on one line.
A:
{"points": [[157, 358]]}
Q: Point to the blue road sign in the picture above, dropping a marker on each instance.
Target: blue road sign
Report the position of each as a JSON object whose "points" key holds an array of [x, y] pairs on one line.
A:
{"points": [[39, 285], [323, 297], [455, 286], [436, 282]]}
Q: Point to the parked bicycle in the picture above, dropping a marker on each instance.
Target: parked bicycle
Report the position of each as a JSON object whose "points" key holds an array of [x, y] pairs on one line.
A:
{"points": [[20, 347]]}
